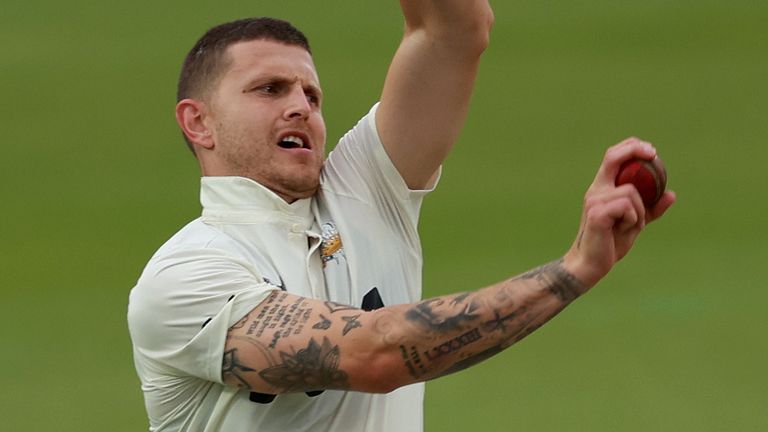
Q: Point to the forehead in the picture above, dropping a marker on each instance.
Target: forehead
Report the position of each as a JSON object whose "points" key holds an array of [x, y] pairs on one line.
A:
{"points": [[250, 59]]}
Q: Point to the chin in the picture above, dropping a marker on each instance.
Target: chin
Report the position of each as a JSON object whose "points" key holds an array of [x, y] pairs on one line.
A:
{"points": [[307, 193], [302, 190]]}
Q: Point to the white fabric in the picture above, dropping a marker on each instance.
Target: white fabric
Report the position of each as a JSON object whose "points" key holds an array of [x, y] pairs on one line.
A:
{"points": [[358, 233]]}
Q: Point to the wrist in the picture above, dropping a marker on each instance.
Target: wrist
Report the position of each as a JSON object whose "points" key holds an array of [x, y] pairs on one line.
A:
{"points": [[558, 280], [587, 275]]}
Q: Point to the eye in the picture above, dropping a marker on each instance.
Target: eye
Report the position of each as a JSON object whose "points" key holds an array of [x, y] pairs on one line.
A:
{"points": [[312, 97], [267, 88]]}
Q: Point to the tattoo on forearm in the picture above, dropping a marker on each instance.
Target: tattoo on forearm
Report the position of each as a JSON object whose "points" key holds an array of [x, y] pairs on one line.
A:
{"points": [[413, 362], [526, 331], [453, 345], [507, 318], [557, 280], [499, 322], [352, 323], [440, 315], [474, 359], [315, 367], [460, 298], [502, 297]]}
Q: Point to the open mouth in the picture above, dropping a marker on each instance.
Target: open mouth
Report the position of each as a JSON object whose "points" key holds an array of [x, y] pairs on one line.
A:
{"points": [[293, 142]]}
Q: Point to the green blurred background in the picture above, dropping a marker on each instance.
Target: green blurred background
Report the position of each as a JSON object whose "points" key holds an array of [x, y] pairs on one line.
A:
{"points": [[95, 177]]}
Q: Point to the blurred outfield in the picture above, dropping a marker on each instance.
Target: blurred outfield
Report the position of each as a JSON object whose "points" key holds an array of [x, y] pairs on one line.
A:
{"points": [[95, 177]]}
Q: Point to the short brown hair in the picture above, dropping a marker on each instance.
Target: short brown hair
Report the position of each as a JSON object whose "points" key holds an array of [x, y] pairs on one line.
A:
{"points": [[206, 61]]}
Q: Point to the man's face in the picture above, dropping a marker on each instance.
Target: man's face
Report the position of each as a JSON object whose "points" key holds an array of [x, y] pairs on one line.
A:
{"points": [[265, 118]]}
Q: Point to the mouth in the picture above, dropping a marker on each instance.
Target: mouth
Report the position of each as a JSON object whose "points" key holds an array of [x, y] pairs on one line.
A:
{"points": [[294, 140]]}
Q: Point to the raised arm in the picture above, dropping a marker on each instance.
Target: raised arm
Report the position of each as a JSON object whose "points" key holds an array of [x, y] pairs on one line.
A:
{"points": [[294, 344], [430, 80]]}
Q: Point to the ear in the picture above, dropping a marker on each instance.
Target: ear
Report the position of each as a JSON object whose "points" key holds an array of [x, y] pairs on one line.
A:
{"points": [[190, 115]]}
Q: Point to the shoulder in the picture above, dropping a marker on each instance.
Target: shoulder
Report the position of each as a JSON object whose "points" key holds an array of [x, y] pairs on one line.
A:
{"points": [[197, 240], [189, 280], [196, 258]]}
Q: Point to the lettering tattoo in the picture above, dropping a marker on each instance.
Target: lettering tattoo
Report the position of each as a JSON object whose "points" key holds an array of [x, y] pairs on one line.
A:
{"points": [[419, 367], [453, 345], [280, 319], [413, 362], [315, 367], [275, 338], [557, 280]]}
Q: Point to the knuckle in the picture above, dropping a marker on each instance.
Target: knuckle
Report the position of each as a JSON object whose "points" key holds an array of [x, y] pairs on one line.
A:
{"points": [[591, 201], [613, 153]]}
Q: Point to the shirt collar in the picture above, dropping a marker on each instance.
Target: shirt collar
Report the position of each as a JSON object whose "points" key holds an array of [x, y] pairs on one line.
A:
{"points": [[242, 199]]}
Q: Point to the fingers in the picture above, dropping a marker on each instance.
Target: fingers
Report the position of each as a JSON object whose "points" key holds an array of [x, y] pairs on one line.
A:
{"points": [[610, 231], [612, 219], [605, 179], [665, 202], [620, 153], [613, 216], [619, 208]]}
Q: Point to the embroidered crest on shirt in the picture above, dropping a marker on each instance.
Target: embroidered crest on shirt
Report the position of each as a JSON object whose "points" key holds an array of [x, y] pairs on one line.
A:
{"points": [[331, 247]]}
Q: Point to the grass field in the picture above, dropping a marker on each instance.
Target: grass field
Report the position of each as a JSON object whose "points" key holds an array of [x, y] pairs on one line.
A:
{"points": [[95, 177]]}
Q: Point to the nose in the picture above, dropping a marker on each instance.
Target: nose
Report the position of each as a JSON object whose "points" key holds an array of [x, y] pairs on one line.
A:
{"points": [[297, 106]]}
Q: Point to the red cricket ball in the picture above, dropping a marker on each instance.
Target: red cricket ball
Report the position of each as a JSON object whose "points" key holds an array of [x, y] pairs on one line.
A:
{"points": [[648, 176]]}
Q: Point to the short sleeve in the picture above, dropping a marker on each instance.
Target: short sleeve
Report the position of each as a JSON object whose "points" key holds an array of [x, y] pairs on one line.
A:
{"points": [[184, 303], [359, 168]]}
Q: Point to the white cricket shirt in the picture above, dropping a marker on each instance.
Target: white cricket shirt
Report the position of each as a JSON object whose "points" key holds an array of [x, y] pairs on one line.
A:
{"points": [[357, 236]]}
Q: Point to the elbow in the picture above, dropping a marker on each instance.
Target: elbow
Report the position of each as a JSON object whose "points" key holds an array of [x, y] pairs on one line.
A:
{"points": [[471, 38], [379, 371], [481, 30], [380, 364], [467, 32], [475, 32], [384, 374]]}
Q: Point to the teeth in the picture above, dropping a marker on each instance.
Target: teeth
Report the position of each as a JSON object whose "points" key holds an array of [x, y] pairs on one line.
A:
{"points": [[295, 140]]}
